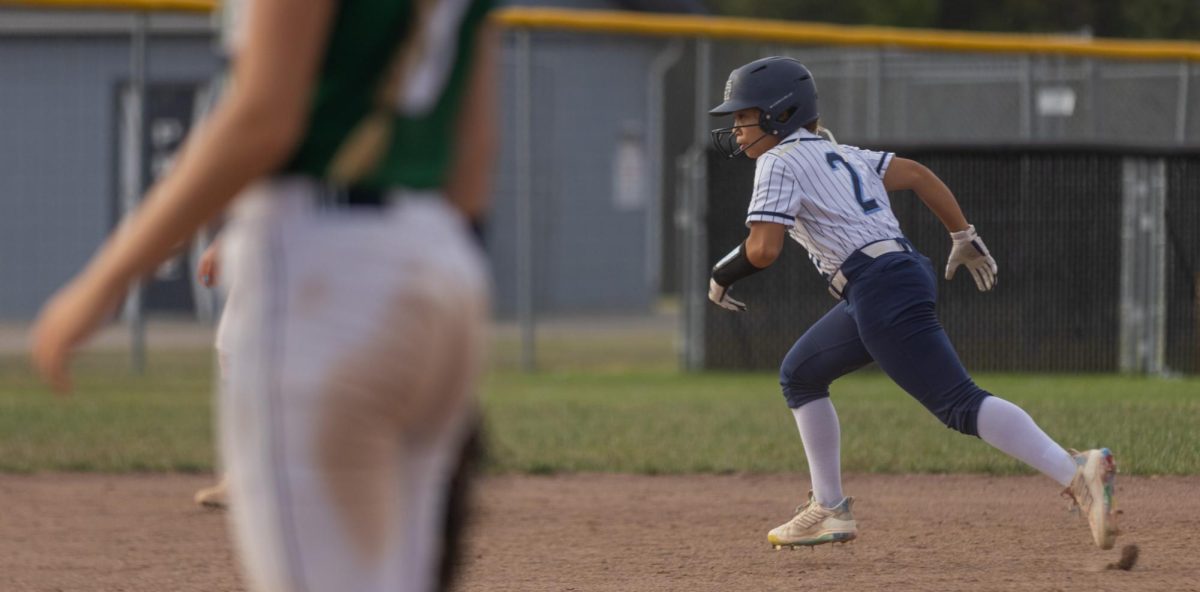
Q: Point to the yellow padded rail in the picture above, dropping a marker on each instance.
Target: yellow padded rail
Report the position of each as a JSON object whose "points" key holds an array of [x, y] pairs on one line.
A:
{"points": [[744, 29], [147, 5]]}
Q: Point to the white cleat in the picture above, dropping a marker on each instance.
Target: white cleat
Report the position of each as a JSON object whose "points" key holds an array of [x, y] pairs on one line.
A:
{"points": [[815, 525], [1091, 491]]}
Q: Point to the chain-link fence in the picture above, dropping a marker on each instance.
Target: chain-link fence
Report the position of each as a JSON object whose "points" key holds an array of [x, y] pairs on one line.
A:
{"points": [[598, 112], [1182, 261], [610, 111], [1078, 290], [1061, 155], [882, 95]]}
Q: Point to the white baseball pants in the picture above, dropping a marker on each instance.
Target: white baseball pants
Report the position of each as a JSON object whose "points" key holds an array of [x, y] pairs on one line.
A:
{"points": [[357, 340]]}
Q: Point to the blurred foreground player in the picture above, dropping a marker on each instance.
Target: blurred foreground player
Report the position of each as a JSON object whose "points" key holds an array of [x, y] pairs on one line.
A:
{"points": [[358, 140]]}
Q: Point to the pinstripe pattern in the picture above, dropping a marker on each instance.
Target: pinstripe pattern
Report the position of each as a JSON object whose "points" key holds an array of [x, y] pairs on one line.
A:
{"points": [[796, 185], [293, 562]]}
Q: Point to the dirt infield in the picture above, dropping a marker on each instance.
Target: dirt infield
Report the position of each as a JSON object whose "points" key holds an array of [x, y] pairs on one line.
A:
{"points": [[633, 533]]}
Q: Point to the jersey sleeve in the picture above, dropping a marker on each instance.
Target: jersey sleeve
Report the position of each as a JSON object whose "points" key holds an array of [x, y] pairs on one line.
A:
{"points": [[878, 162], [776, 195]]}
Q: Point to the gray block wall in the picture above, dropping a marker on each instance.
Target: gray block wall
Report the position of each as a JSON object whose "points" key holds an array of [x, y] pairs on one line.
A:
{"points": [[58, 164], [590, 248], [58, 150]]}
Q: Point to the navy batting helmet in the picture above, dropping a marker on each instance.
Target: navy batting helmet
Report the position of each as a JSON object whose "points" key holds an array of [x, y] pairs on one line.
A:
{"points": [[782, 89]]}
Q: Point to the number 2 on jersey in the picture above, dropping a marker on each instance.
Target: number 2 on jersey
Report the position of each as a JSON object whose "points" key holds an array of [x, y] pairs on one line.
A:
{"points": [[868, 205]]}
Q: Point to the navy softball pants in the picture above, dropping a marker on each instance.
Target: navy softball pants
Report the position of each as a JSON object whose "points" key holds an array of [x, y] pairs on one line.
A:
{"points": [[888, 316]]}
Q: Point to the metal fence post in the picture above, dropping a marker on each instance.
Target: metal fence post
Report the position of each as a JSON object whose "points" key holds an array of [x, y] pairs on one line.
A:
{"points": [[1026, 90], [1091, 98], [874, 93], [694, 288], [524, 187], [1157, 301], [655, 85], [1181, 110], [1143, 266], [134, 306], [683, 192]]}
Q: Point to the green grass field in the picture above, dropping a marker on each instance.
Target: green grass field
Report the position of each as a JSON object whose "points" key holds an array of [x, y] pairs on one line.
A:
{"points": [[627, 416]]}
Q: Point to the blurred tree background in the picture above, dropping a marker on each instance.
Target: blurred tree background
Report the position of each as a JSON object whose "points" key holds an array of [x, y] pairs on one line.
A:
{"points": [[1162, 19]]}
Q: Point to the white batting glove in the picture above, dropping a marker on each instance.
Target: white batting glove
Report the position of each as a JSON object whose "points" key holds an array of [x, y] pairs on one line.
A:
{"points": [[970, 251], [720, 296]]}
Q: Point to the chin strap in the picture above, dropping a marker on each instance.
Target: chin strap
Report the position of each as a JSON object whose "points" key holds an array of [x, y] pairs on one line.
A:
{"points": [[747, 147]]}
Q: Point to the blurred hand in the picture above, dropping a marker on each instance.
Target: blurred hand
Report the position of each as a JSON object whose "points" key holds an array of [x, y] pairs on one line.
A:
{"points": [[970, 251], [67, 320], [210, 266]]}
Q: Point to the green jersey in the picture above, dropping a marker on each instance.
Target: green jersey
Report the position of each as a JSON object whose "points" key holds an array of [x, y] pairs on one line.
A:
{"points": [[398, 65]]}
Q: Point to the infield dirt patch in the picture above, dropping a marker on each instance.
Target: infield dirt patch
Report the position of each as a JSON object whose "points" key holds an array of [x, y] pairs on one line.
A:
{"points": [[636, 533]]}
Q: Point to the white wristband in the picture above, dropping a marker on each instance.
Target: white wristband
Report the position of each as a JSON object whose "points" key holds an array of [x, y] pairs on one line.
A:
{"points": [[963, 236]]}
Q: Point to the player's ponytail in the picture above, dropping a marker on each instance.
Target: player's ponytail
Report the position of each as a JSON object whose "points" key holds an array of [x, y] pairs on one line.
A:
{"points": [[828, 135], [824, 132]]}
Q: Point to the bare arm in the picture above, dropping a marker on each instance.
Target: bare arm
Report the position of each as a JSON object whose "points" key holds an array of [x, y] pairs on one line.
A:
{"points": [[470, 177], [764, 243], [250, 133], [968, 249], [904, 174]]}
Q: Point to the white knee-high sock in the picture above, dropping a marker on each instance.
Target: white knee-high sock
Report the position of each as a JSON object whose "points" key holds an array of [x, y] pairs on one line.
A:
{"points": [[1010, 429], [821, 435]]}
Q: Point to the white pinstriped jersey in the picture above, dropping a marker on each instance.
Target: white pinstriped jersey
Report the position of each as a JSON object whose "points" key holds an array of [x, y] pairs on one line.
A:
{"points": [[831, 197]]}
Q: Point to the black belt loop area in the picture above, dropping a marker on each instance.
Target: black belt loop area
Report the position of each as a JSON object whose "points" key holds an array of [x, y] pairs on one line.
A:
{"points": [[355, 196]]}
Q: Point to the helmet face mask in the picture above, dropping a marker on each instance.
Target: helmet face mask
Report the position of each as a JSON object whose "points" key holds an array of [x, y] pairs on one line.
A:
{"points": [[783, 91], [725, 139]]}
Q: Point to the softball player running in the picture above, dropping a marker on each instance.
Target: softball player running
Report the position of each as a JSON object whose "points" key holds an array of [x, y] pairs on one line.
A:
{"points": [[358, 140], [834, 201]]}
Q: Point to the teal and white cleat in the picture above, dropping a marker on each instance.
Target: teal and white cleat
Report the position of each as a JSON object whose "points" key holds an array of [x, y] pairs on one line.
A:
{"points": [[815, 524], [1091, 491]]}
